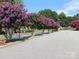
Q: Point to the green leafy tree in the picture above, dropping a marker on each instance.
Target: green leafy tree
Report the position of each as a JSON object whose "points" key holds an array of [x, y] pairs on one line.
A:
{"points": [[33, 22], [76, 16], [62, 15], [69, 19], [63, 19], [49, 13]]}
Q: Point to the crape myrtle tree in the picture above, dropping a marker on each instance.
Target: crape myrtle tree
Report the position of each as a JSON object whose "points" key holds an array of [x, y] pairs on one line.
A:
{"points": [[43, 22], [46, 22], [49, 23], [34, 22], [37, 21], [49, 14], [75, 24], [11, 16], [11, 1], [31, 22], [52, 24]]}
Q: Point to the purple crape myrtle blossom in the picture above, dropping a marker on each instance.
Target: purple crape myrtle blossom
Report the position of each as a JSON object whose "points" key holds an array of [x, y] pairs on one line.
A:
{"points": [[30, 23], [9, 13], [56, 25], [6, 19], [46, 21], [50, 22], [43, 20], [75, 24], [12, 16], [24, 16]]}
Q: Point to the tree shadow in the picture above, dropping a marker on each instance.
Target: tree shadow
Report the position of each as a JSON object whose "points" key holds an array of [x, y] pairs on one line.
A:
{"points": [[46, 33], [39, 34], [21, 38]]}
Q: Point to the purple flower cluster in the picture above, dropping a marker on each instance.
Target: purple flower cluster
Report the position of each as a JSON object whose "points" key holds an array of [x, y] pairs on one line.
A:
{"points": [[49, 22], [75, 24], [12, 12], [56, 24]]}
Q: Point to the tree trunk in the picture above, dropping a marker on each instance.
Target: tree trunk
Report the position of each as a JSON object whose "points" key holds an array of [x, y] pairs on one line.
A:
{"points": [[43, 29], [19, 33], [52, 30], [32, 31], [48, 30], [8, 34]]}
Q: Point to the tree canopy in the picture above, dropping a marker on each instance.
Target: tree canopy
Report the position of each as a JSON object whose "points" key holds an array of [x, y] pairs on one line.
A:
{"points": [[49, 13], [12, 1]]}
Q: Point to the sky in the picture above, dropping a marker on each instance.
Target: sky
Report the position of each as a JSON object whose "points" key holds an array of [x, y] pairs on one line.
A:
{"points": [[69, 7]]}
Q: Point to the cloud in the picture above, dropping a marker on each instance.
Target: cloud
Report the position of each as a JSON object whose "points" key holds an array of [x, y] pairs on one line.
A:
{"points": [[70, 7]]}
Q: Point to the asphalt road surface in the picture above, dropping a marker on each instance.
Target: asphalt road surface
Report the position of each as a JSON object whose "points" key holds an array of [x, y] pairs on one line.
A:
{"points": [[57, 45]]}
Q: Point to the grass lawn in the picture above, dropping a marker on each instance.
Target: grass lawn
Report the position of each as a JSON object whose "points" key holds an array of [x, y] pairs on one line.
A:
{"points": [[2, 37]]}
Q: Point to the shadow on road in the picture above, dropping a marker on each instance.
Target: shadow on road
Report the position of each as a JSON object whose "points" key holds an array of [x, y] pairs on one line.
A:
{"points": [[21, 39]]}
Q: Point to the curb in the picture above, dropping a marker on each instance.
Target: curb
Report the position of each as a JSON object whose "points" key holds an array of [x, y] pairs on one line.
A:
{"points": [[9, 44]]}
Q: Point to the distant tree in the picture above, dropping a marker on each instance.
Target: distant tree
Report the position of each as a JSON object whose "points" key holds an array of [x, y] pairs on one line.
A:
{"points": [[62, 15], [49, 13], [63, 19], [69, 19], [76, 16]]}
